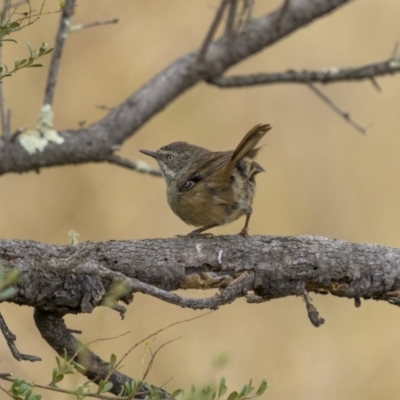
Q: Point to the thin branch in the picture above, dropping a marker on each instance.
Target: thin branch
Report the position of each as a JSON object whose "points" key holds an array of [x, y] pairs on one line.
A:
{"points": [[235, 289], [395, 54], [79, 27], [325, 76], [250, 7], [8, 122], [2, 102], [156, 333], [331, 104], [313, 314], [375, 84], [6, 391], [106, 339], [247, 9], [61, 36], [153, 356], [138, 166], [10, 339], [230, 23], [282, 13], [211, 32]]}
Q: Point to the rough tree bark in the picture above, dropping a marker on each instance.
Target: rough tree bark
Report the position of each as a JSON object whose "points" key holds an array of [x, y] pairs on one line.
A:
{"points": [[58, 280]]}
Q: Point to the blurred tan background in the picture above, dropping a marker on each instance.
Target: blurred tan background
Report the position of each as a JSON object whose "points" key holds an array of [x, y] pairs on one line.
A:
{"points": [[322, 178]]}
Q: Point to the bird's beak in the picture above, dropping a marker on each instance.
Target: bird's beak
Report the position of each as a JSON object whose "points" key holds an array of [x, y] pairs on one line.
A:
{"points": [[153, 154]]}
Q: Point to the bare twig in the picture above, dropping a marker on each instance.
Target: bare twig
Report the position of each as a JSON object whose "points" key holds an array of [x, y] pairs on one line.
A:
{"points": [[325, 76], [230, 23], [2, 103], [79, 27], [249, 11], [211, 32], [139, 166], [76, 331], [58, 50], [375, 84], [6, 392], [105, 339], [153, 356], [312, 312], [104, 107], [282, 13], [10, 339], [8, 122], [344, 115], [395, 51], [156, 333]]}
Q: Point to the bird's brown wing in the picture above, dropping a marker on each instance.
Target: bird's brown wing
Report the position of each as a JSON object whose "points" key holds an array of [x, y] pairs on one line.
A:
{"points": [[207, 165]]}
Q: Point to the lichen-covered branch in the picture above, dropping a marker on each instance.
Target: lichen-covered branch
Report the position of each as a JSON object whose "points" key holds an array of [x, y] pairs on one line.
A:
{"points": [[98, 142]]}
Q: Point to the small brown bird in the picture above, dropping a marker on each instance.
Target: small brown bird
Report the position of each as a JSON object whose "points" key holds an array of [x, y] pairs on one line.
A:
{"points": [[206, 188]]}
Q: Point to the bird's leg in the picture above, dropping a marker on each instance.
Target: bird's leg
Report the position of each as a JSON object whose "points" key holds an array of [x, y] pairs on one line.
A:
{"points": [[197, 232], [245, 231]]}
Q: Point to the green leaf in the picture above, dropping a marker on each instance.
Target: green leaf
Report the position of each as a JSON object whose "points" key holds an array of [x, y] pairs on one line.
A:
{"points": [[262, 388], [243, 392], [35, 65], [222, 387], [233, 396], [58, 378], [176, 393], [107, 387], [14, 25], [113, 360], [30, 48]]}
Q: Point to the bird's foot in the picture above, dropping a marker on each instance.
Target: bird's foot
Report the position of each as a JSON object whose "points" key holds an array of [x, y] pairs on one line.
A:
{"points": [[244, 232]]}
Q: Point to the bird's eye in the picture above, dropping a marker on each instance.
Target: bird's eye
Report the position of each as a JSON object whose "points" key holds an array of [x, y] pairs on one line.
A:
{"points": [[170, 158], [188, 184]]}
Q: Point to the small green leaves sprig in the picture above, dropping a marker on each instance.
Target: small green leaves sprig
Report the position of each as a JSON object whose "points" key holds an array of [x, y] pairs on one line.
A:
{"points": [[26, 62]]}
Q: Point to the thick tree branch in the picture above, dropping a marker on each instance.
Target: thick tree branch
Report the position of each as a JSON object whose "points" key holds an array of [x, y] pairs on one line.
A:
{"points": [[75, 279], [96, 142], [58, 280]]}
